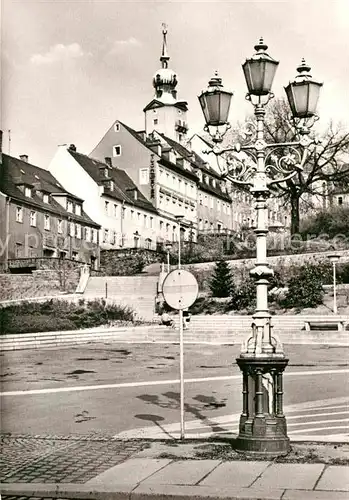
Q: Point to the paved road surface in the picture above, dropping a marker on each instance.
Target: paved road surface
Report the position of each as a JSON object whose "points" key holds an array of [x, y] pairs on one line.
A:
{"points": [[119, 390]]}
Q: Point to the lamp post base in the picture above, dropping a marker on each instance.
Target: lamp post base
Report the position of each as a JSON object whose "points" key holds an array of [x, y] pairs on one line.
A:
{"points": [[262, 429]]}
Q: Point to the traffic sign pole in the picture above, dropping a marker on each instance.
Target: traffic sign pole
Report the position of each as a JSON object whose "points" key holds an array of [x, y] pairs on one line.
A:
{"points": [[181, 371], [180, 290]]}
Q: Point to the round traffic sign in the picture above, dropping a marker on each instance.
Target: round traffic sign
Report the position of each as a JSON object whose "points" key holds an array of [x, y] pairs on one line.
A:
{"points": [[180, 289]]}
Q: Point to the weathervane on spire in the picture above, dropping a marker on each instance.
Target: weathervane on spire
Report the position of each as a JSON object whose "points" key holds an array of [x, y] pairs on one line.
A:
{"points": [[164, 56]]}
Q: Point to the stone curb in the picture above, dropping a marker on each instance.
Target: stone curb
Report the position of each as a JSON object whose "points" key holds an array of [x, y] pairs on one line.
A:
{"points": [[160, 492]]}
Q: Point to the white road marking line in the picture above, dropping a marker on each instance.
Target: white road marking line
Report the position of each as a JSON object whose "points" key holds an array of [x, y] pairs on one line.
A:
{"points": [[297, 424], [156, 382], [317, 414], [315, 429]]}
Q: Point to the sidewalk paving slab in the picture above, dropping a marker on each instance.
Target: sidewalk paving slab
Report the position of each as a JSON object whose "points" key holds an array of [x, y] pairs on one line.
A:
{"points": [[291, 476], [235, 474], [334, 478], [133, 471], [315, 495], [183, 472], [176, 492]]}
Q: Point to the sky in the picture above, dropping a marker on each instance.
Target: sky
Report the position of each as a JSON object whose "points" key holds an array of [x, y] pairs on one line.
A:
{"points": [[70, 68]]}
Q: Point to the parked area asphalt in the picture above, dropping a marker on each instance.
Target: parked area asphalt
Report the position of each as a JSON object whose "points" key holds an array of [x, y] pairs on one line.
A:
{"points": [[91, 467]]}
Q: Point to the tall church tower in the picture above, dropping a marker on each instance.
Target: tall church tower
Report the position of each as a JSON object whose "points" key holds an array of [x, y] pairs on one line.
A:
{"points": [[165, 113]]}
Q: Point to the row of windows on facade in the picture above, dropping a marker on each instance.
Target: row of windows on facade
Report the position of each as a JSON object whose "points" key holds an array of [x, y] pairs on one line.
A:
{"points": [[111, 237], [208, 201], [166, 201], [117, 211], [70, 207], [177, 183], [75, 230]]}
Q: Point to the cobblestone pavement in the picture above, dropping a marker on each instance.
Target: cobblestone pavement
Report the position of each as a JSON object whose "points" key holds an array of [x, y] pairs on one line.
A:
{"points": [[60, 459]]}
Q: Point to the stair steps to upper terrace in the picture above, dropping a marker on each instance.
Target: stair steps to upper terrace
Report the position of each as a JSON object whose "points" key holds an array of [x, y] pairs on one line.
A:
{"points": [[137, 292]]}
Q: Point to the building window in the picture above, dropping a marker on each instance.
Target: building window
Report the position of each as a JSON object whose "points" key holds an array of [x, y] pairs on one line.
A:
{"points": [[148, 243], [145, 220], [59, 226], [105, 236], [75, 255], [117, 150], [138, 216], [156, 121], [106, 207], [94, 235], [161, 225], [72, 229], [113, 239], [115, 210], [132, 213], [78, 231], [151, 222], [117, 127], [45, 198], [19, 214], [28, 192], [47, 223], [144, 176], [33, 218], [87, 234], [340, 200], [78, 209], [70, 206]]}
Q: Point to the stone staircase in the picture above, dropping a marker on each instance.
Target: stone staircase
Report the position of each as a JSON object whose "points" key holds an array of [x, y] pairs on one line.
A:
{"points": [[137, 292]]}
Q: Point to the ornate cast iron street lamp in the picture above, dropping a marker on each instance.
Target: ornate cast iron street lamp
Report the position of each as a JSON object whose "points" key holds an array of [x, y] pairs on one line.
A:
{"points": [[262, 429]]}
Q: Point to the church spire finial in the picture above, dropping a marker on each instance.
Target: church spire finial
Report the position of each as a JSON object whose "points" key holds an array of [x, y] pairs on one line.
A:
{"points": [[164, 56]]}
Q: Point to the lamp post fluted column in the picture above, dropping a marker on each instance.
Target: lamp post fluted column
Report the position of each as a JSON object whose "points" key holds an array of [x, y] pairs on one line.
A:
{"points": [[262, 428]]}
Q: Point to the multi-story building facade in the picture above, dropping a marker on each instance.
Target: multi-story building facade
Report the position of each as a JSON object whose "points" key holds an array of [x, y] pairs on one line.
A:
{"points": [[126, 217], [172, 177], [39, 218]]}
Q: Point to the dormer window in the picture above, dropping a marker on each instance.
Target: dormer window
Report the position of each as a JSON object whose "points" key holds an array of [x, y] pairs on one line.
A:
{"points": [[78, 209], [111, 186], [45, 198], [117, 127], [27, 192], [69, 206], [214, 182]]}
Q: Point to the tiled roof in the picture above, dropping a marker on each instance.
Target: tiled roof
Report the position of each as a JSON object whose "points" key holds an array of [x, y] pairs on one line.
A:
{"points": [[15, 172], [123, 184], [198, 163]]}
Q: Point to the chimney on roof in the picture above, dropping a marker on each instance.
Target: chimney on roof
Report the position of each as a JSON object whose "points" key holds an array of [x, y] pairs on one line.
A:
{"points": [[107, 160], [72, 147], [24, 158]]}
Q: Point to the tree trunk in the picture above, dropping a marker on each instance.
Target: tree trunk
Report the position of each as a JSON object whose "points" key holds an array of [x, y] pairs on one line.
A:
{"points": [[294, 215]]}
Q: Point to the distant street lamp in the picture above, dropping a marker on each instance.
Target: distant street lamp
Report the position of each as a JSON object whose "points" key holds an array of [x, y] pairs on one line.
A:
{"points": [[334, 258], [262, 429], [179, 219], [168, 247]]}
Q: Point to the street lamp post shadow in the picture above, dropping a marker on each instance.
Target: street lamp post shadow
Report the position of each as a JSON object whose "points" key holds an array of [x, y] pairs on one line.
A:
{"points": [[262, 428]]}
